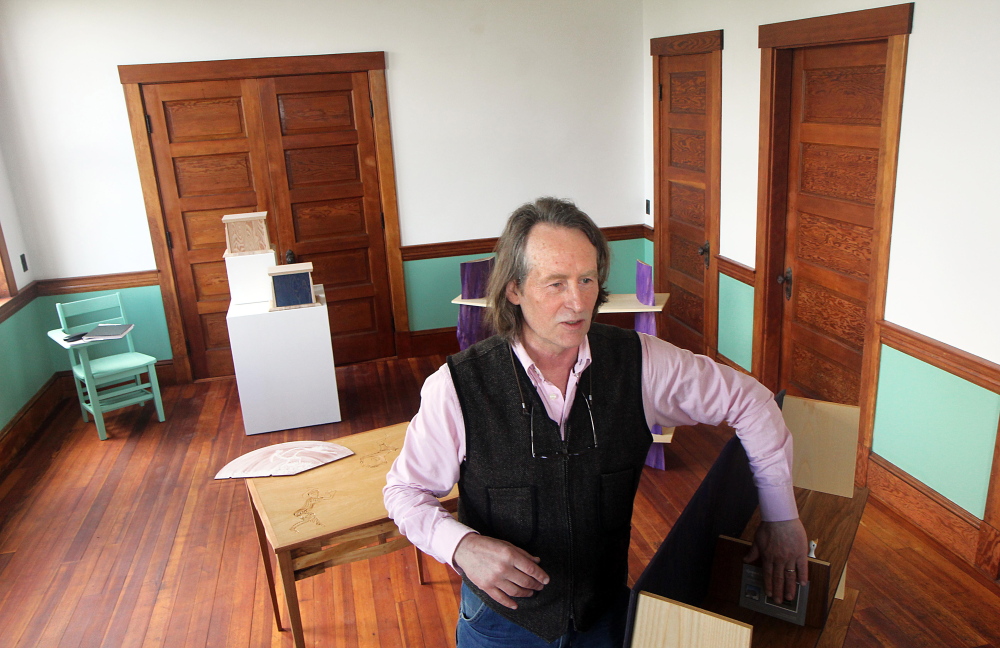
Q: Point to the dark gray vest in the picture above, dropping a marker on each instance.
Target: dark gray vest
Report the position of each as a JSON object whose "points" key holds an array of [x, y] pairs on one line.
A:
{"points": [[573, 509]]}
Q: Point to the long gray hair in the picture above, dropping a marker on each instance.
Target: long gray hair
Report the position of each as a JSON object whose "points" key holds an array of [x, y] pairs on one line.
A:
{"points": [[511, 262]]}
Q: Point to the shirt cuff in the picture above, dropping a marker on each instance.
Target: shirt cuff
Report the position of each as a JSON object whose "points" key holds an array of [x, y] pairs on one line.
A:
{"points": [[777, 503], [447, 534]]}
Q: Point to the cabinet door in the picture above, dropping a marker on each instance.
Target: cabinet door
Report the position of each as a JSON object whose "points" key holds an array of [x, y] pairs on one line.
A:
{"points": [[210, 161], [322, 165]]}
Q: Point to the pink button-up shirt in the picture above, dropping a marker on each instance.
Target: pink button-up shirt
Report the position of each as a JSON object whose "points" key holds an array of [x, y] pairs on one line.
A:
{"points": [[678, 388]]}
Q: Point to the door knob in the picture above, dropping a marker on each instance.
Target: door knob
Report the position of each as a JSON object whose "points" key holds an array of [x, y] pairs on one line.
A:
{"points": [[289, 257], [786, 279], [704, 252]]}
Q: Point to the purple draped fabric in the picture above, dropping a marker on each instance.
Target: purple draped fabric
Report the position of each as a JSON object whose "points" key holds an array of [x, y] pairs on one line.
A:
{"points": [[646, 323], [475, 276]]}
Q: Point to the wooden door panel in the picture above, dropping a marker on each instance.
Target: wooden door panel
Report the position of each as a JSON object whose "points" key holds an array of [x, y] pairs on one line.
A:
{"points": [[209, 157], [832, 187], [687, 204], [321, 154], [839, 210], [843, 247], [320, 220]]}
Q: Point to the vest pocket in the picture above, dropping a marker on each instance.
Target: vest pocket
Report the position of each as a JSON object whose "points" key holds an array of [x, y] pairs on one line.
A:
{"points": [[617, 493], [512, 514]]}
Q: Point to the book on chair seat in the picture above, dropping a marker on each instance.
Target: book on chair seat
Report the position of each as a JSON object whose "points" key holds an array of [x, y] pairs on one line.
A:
{"points": [[108, 332]]}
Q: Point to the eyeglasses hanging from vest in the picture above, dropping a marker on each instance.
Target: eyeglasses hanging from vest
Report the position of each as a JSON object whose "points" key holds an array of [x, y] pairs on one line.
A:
{"points": [[556, 446]]}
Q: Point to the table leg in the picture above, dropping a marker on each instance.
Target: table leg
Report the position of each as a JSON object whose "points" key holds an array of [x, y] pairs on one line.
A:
{"points": [[287, 576], [265, 554], [417, 555]]}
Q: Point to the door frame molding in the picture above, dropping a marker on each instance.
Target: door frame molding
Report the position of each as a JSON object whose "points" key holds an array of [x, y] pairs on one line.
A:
{"points": [[709, 42], [132, 77], [777, 42]]}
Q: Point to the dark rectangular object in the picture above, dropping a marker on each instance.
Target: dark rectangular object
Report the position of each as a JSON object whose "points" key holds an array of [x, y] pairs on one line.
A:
{"points": [[722, 505]]}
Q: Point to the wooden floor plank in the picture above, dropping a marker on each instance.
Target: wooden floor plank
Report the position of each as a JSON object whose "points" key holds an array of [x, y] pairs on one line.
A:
{"points": [[130, 542]]}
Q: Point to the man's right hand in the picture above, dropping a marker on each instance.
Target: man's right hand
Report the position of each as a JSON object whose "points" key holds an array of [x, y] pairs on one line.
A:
{"points": [[499, 568]]}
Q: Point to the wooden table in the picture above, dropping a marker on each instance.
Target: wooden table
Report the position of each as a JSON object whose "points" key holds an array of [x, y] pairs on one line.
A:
{"points": [[328, 516]]}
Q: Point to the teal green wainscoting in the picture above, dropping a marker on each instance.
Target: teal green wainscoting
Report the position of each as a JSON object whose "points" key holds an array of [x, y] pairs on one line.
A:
{"points": [[28, 358], [937, 427], [736, 321], [431, 284]]}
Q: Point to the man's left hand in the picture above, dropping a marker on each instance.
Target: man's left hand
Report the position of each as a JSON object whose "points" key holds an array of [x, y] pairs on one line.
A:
{"points": [[784, 548]]}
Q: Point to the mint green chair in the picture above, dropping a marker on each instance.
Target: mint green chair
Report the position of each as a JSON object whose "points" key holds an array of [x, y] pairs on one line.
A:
{"points": [[107, 373]]}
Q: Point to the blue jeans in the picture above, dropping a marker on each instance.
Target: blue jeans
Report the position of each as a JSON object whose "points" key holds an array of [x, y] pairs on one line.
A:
{"points": [[481, 627]]}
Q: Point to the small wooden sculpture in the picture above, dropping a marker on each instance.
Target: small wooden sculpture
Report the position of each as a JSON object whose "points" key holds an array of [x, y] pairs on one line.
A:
{"points": [[246, 233], [291, 286]]}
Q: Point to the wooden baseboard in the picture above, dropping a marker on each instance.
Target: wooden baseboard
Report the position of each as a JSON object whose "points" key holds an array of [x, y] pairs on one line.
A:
{"points": [[442, 341], [31, 418], [954, 528]]}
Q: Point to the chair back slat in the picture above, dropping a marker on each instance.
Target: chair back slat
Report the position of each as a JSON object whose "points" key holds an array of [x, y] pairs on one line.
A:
{"points": [[83, 315]]}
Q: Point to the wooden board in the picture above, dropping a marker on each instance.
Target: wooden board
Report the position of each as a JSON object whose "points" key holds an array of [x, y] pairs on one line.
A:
{"points": [[661, 622], [826, 442]]}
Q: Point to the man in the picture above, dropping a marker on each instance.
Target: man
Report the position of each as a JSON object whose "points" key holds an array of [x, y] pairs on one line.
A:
{"points": [[545, 427]]}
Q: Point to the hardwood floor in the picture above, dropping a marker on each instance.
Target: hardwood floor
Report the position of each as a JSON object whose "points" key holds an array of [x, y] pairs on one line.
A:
{"points": [[130, 542]]}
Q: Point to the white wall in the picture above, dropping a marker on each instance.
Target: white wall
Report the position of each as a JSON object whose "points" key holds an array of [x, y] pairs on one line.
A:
{"points": [[10, 225], [942, 273], [492, 104]]}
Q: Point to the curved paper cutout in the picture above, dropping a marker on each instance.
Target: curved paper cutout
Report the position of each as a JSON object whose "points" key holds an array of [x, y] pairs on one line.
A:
{"points": [[288, 458]]}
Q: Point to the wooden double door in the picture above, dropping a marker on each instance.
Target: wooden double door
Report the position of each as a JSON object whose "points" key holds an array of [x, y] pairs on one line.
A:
{"points": [[301, 148]]}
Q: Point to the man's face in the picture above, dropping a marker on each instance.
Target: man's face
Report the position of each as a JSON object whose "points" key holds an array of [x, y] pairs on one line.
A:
{"points": [[557, 298]]}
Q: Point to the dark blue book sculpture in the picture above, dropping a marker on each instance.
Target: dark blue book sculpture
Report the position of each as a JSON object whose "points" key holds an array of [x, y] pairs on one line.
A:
{"points": [[292, 285]]}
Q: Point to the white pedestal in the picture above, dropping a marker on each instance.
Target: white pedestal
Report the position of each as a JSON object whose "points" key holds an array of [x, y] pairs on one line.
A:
{"points": [[248, 279], [284, 365]]}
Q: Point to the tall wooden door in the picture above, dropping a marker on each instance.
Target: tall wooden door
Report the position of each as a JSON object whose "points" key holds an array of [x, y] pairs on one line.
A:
{"points": [[688, 117], [302, 149], [321, 151], [833, 162], [208, 148]]}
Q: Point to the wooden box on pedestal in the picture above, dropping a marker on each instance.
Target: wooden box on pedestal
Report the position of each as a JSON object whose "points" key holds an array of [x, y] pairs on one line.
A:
{"points": [[246, 233], [291, 286]]}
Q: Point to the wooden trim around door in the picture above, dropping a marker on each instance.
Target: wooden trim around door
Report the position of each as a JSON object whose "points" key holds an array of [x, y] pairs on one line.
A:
{"points": [[772, 199], [868, 24], [892, 110], [387, 191], [248, 68], [157, 231], [700, 43]]}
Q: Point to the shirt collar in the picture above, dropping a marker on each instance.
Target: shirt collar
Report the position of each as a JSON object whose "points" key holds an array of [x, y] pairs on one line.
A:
{"points": [[582, 359]]}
